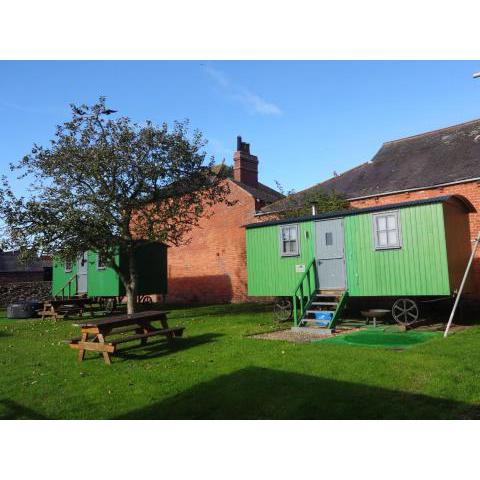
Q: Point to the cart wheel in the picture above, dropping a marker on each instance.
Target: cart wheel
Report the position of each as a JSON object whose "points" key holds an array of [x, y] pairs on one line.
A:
{"points": [[147, 299], [282, 310], [405, 311], [110, 304]]}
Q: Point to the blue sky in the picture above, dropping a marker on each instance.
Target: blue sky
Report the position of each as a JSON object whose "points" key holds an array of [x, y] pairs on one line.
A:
{"points": [[304, 120]]}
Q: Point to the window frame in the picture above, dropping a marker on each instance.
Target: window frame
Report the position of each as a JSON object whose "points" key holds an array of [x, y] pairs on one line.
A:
{"points": [[100, 267], [65, 268], [280, 238], [376, 244]]}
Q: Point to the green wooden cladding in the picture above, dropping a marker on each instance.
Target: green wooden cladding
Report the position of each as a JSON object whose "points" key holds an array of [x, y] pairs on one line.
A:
{"points": [[151, 261], [421, 267], [268, 272]]}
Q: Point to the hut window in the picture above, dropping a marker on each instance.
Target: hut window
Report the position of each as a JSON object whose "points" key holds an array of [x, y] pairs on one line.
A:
{"points": [[386, 230], [68, 266], [289, 240], [100, 262]]}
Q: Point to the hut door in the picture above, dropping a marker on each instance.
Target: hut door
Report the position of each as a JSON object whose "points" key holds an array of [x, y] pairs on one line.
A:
{"points": [[82, 268], [330, 254]]}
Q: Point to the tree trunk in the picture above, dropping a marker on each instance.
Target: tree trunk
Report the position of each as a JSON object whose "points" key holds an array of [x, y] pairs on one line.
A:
{"points": [[131, 287], [131, 298]]}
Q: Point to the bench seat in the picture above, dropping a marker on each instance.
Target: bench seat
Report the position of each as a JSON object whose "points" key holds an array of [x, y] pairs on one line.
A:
{"points": [[176, 331]]}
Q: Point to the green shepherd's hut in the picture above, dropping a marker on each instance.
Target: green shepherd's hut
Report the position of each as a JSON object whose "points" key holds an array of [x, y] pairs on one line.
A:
{"points": [[402, 252], [89, 277]]}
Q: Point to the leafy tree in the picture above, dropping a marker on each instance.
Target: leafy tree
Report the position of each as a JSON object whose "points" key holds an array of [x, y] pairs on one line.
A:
{"points": [[106, 184], [300, 204]]}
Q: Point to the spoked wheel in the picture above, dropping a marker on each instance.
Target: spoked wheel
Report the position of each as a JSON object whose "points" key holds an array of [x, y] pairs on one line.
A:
{"points": [[282, 310], [146, 299], [405, 311], [110, 304]]}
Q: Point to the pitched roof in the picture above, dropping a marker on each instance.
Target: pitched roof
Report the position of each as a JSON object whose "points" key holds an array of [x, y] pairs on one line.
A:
{"points": [[433, 158], [261, 192], [10, 263], [455, 199]]}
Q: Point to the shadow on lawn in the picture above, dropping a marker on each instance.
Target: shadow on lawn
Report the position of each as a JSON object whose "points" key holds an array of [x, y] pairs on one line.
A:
{"points": [[161, 348], [260, 393], [10, 410], [216, 310]]}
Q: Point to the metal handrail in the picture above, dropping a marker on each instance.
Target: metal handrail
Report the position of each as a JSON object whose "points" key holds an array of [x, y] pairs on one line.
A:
{"points": [[68, 284], [299, 288]]}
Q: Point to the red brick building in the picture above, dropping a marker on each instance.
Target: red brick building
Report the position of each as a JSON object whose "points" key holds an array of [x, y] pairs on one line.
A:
{"points": [[441, 162], [212, 267]]}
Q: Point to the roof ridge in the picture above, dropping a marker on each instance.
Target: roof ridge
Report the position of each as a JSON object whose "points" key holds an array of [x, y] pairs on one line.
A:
{"points": [[429, 132], [332, 178]]}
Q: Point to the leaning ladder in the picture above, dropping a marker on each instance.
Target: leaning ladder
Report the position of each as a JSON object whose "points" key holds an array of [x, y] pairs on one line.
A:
{"points": [[460, 290]]}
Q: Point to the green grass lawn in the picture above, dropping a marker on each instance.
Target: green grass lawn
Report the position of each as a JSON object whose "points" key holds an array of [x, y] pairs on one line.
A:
{"points": [[216, 371]]}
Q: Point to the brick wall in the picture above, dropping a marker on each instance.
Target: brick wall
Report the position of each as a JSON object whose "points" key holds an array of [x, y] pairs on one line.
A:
{"points": [[470, 190], [212, 267]]}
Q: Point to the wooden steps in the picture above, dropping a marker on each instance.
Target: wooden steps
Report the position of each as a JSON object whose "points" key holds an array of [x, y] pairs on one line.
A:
{"points": [[328, 302]]}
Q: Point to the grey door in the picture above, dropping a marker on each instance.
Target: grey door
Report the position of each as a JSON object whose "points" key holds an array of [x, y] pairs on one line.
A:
{"points": [[329, 253], [82, 269]]}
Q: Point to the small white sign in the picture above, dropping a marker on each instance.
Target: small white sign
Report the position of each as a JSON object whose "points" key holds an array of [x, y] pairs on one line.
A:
{"points": [[300, 268]]}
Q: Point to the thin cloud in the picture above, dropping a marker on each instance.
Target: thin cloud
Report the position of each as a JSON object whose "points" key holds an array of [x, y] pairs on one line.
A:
{"points": [[27, 109], [252, 102]]}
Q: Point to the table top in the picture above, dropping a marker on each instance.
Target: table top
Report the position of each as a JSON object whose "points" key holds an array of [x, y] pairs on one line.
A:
{"points": [[123, 319]]}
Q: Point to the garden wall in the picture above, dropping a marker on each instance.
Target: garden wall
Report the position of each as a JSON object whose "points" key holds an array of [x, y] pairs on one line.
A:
{"points": [[10, 292]]}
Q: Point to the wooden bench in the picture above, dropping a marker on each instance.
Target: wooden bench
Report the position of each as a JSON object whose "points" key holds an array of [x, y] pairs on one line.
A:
{"points": [[58, 309], [140, 323]]}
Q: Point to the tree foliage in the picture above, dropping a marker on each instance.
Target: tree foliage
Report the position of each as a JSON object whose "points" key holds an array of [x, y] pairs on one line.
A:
{"points": [[106, 183], [300, 204]]}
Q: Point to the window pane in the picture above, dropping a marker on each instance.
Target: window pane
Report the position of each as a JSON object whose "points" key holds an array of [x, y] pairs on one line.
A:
{"points": [[328, 238], [284, 234], [391, 222], [382, 239], [285, 247], [293, 233], [381, 223], [293, 246], [392, 238]]}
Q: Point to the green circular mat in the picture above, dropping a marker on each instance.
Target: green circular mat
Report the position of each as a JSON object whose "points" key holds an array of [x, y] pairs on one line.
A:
{"points": [[382, 339]]}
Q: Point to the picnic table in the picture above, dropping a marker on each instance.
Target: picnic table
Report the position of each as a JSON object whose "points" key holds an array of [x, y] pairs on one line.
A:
{"points": [[62, 308], [94, 333]]}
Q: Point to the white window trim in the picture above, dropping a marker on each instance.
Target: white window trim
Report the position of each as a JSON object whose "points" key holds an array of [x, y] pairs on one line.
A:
{"points": [[65, 269], [376, 246], [98, 264], [280, 239]]}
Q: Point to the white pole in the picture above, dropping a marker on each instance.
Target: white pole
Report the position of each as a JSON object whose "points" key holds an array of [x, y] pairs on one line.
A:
{"points": [[465, 275]]}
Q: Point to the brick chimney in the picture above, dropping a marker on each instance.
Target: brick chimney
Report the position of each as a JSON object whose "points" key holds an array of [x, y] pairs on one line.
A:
{"points": [[245, 165]]}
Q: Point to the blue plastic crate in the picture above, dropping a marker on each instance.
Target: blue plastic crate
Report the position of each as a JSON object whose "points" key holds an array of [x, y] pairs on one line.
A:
{"points": [[323, 316]]}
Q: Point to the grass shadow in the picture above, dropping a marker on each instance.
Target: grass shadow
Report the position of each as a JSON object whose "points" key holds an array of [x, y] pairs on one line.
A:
{"points": [[11, 410], [260, 393], [155, 349]]}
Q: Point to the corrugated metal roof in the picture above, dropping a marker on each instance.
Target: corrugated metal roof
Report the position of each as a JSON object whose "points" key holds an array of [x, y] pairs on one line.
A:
{"points": [[357, 211], [10, 263]]}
